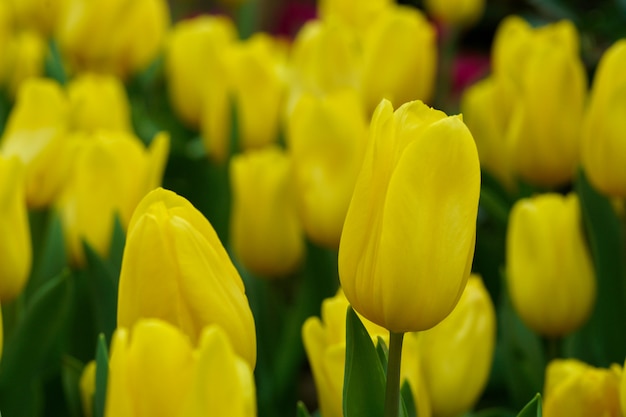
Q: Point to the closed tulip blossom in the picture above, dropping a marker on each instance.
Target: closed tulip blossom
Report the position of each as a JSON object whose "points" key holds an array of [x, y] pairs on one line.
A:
{"points": [[174, 268], [550, 273], [459, 13]]}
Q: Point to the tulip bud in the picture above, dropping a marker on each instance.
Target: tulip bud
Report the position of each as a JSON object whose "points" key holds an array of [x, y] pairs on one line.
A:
{"points": [[327, 138], [549, 269], [265, 229], [460, 13], [457, 353], [575, 389], [111, 173], [87, 385], [27, 52], [399, 58], [325, 345], [408, 240], [603, 140], [170, 375], [358, 15], [15, 245], [175, 268], [622, 390]]}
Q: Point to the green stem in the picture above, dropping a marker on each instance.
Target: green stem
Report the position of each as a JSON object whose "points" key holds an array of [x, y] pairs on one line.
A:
{"points": [[392, 392]]}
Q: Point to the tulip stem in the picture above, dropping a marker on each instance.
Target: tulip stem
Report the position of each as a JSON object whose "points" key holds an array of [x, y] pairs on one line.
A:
{"points": [[392, 392]]}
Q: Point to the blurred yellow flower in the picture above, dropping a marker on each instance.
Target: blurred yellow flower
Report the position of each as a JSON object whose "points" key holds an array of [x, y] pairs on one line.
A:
{"points": [[87, 385], [39, 15], [358, 15], [459, 13]]}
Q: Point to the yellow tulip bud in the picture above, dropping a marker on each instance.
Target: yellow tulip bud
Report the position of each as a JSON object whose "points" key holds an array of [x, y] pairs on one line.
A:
{"points": [[603, 142], [175, 268], [15, 245], [170, 376], [325, 345], [327, 137], [356, 14], [408, 240], [87, 385], [35, 132], [457, 353], [112, 36], [575, 389], [622, 389], [111, 173], [460, 13], [98, 102], [266, 233], [27, 51], [195, 62], [549, 269], [399, 58]]}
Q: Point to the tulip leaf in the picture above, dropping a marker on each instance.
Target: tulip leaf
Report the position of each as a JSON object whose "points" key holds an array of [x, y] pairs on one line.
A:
{"points": [[533, 408], [364, 378], [408, 400], [102, 374], [302, 410], [383, 353], [54, 64], [71, 371]]}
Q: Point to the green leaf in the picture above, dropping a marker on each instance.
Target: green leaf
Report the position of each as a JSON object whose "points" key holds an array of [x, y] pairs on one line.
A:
{"points": [[408, 400], [533, 408], [102, 374], [364, 378], [302, 410], [71, 371], [54, 64], [383, 353]]}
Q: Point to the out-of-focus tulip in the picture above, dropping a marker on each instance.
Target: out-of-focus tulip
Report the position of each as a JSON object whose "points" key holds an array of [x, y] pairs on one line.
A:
{"points": [[399, 58], [575, 389], [195, 61], [39, 15], [356, 14], [325, 345], [170, 376], [98, 101], [549, 269], [622, 390], [259, 86], [603, 146], [112, 36], [111, 173], [546, 80], [327, 137], [266, 233], [87, 385], [35, 132], [15, 246], [459, 13], [175, 268], [26, 53], [457, 354], [408, 240]]}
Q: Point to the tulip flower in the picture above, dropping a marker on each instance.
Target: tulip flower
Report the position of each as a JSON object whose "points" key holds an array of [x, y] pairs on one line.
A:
{"points": [[266, 233], [26, 53], [622, 390], [603, 141], [87, 385], [550, 273], [327, 137], [15, 245], [575, 389], [399, 58], [356, 14], [111, 173], [38, 15], [169, 375], [408, 239], [175, 268], [457, 353], [459, 13], [325, 345]]}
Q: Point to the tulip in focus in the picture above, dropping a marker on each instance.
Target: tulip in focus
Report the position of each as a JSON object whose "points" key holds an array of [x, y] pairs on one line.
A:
{"points": [[575, 389], [550, 273], [325, 344], [15, 244], [266, 233], [603, 141], [457, 353], [408, 241], [327, 138], [156, 370], [458, 13], [174, 268]]}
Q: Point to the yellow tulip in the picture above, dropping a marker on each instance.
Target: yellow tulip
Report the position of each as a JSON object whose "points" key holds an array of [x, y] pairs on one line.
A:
{"points": [[111, 173], [112, 36], [266, 233], [35, 132], [39, 15], [457, 353], [408, 240], [622, 390], [15, 245], [603, 141], [356, 14], [549, 269], [327, 137], [459, 13], [575, 389], [325, 345], [169, 375], [399, 58], [26, 52], [87, 385], [175, 268]]}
